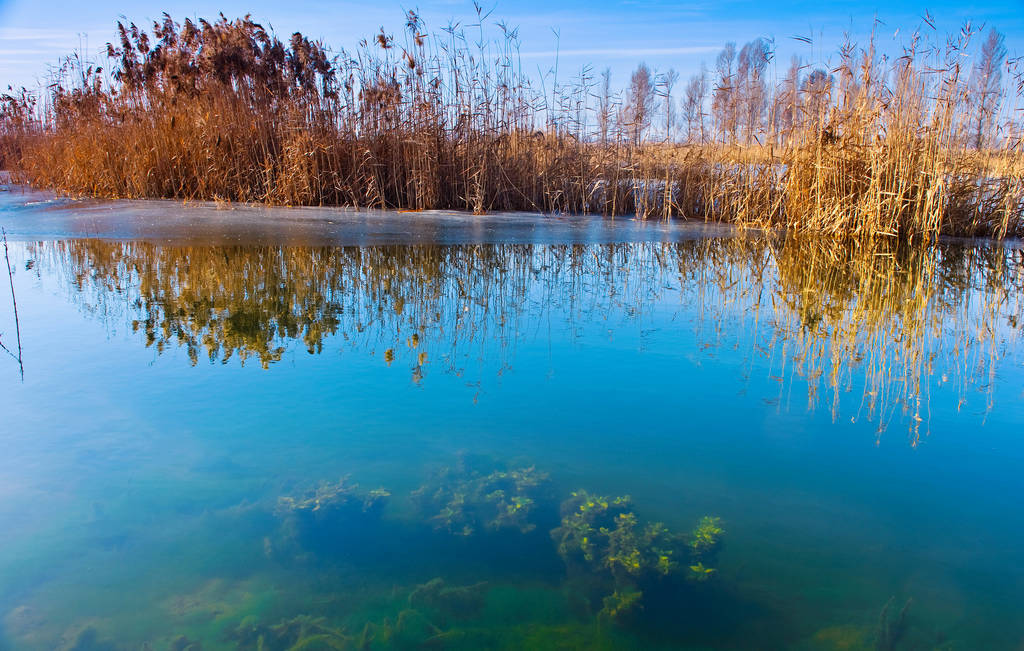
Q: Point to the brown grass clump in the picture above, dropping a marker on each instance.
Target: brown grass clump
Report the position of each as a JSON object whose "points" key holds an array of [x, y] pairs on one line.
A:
{"points": [[926, 144]]}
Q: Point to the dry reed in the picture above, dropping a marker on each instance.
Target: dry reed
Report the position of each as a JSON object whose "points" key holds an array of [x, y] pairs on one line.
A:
{"points": [[224, 110]]}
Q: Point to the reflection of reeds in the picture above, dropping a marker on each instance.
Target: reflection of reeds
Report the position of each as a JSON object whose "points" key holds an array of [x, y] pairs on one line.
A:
{"points": [[226, 111], [888, 321], [14, 304], [895, 314]]}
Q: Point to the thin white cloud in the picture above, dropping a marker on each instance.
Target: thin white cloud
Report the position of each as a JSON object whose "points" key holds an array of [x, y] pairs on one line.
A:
{"points": [[36, 34], [4, 52], [622, 52]]}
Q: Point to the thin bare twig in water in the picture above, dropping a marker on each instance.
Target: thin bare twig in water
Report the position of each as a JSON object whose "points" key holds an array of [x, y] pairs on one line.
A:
{"points": [[14, 300]]}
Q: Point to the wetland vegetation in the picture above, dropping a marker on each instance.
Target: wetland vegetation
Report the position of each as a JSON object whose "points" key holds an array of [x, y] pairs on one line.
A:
{"points": [[906, 140]]}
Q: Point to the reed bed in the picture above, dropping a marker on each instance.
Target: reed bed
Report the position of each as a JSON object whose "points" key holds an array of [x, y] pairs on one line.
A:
{"points": [[911, 147]]}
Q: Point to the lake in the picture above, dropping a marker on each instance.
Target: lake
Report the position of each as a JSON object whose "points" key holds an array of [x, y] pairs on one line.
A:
{"points": [[271, 428]]}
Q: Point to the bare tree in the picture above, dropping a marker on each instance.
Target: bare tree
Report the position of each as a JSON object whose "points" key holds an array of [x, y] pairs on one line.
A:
{"points": [[753, 89], [986, 86], [723, 105], [817, 97], [604, 105], [668, 83], [787, 100], [693, 105], [640, 106]]}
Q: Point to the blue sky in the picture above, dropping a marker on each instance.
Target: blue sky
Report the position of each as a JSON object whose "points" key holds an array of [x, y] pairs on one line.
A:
{"points": [[35, 33]]}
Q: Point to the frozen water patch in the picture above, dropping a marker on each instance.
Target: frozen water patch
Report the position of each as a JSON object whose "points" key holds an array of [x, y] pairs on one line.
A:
{"points": [[32, 215]]}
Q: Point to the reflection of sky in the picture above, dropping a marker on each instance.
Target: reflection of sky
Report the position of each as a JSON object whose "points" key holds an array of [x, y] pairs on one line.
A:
{"points": [[35, 33]]}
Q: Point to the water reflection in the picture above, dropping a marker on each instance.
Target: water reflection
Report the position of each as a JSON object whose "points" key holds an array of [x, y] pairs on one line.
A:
{"points": [[883, 323], [631, 500]]}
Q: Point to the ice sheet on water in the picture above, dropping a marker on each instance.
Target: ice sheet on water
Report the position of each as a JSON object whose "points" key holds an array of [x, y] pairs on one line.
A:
{"points": [[32, 215]]}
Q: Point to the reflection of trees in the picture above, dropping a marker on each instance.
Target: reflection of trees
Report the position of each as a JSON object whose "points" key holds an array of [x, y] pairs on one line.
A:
{"points": [[883, 320]]}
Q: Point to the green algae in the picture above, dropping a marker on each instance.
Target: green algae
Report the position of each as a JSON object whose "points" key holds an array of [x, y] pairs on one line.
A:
{"points": [[301, 632], [446, 603], [409, 628]]}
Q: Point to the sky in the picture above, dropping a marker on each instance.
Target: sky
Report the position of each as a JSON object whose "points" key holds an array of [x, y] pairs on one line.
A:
{"points": [[35, 34]]}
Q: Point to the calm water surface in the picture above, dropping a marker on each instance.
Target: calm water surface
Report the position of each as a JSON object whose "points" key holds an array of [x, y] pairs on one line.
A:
{"points": [[319, 429]]}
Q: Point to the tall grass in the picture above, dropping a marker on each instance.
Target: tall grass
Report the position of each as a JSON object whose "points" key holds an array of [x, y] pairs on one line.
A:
{"points": [[225, 110]]}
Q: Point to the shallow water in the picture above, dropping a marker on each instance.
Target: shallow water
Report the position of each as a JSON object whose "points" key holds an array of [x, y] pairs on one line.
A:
{"points": [[192, 373]]}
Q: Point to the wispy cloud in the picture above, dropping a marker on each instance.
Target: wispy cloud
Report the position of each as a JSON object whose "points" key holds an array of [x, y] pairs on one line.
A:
{"points": [[40, 34], [5, 52], [622, 52], [25, 51]]}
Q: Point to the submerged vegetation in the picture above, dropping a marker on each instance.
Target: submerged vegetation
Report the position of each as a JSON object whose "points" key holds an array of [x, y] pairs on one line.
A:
{"points": [[464, 500], [329, 515], [911, 146], [611, 558], [328, 500], [410, 629], [602, 535]]}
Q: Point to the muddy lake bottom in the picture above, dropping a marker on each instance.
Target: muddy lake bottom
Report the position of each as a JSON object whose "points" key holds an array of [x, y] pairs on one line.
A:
{"points": [[257, 428]]}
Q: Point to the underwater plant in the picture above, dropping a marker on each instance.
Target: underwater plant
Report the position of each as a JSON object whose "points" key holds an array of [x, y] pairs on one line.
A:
{"points": [[619, 604], [327, 513], [298, 633], [704, 541], [445, 603], [601, 535], [410, 629], [329, 500], [465, 499]]}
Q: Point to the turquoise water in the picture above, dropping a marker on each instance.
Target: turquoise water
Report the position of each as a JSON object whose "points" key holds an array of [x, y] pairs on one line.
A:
{"points": [[852, 417]]}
